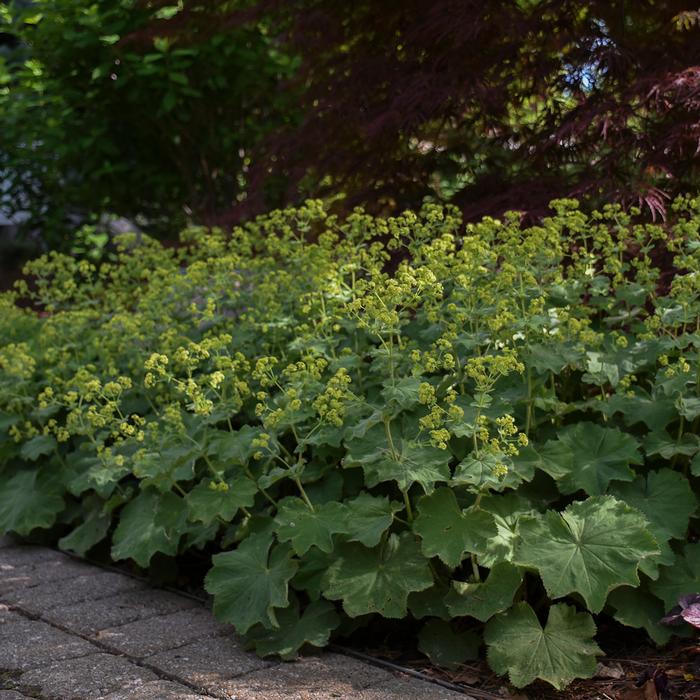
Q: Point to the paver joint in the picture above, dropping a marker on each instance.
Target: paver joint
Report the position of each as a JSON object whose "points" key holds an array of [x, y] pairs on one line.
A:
{"points": [[72, 631]]}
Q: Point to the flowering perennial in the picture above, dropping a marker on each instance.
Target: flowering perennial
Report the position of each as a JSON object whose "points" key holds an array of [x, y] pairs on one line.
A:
{"points": [[490, 429]]}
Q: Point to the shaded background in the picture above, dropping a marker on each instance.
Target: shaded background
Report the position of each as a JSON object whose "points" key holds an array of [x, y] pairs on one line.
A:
{"points": [[162, 113]]}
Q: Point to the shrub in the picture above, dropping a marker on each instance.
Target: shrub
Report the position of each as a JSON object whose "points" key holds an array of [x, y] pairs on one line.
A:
{"points": [[156, 132], [488, 428]]}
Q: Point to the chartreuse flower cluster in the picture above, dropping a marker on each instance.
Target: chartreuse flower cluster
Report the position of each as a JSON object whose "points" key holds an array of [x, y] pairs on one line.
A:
{"points": [[490, 429]]}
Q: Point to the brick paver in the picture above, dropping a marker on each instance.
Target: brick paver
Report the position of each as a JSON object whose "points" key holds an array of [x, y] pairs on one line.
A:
{"points": [[27, 644], [154, 634], [94, 585], [92, 616], [158, 690], [206, 663], [88, 677], [72, 631], [22, 578]]}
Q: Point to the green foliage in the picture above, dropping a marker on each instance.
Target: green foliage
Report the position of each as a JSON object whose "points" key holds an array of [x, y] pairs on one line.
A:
{"points": [[250, 582], [590, 548], [448, 532], [313, 626], [378, 580], [102, 115], [483, 600], [28, 499], [561, 651], [445, 647], [477, 427], [152, 522]]}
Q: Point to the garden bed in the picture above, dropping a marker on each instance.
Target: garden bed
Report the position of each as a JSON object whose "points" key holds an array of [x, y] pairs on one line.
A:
{"points": [[487, 433]]}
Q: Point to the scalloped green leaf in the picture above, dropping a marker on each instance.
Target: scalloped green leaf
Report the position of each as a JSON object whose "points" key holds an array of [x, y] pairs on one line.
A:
{"points": [[483, 600], [507, 511], [590, 548], [378, 580], [666, 446], [449, 532], [665, 498], [637, 608], [162, 469], [650, 566], [481, 471], [655, 413], [550, 357], [29, 499], [249, 583], [695, 465], [600, 372], [369, 517], [667, 501], [306, 528], [558, 653], [688, 407], [232, 447], [430, 602], [38, 446], [314, 627], [206, 504], [600, 455], [679, 579], [312, 569], [403, 393], [555, 458], [405, 461], [445, 647], [152, 522], [92, 529]]}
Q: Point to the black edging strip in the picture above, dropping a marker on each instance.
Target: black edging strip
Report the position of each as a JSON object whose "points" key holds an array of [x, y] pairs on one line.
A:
{"points": [[382, 663]]}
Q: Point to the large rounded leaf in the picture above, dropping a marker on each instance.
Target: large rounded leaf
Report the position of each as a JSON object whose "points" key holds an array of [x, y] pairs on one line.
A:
{"points": [[368, 517], [635, 607], [590, 548], [665, 497], [680, 579], [600, 455], [445, 647], [28, 499], [405, 461], [250, 582], [483, 600], [152, 522], [562, 651], [449, 532], [313, 626], [206, 504], [378, 580], [306, 528]]}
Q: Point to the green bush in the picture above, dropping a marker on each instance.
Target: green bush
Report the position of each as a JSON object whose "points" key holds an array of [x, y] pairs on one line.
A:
{"points": [[100, 115], [490, 429]]}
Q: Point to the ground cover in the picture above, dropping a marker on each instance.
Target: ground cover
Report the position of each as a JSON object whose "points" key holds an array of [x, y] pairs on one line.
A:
{"points": [[490, 429]]}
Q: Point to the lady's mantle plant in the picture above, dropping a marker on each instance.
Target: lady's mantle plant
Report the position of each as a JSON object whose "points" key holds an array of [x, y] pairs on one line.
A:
{"points": [[488, 428]]}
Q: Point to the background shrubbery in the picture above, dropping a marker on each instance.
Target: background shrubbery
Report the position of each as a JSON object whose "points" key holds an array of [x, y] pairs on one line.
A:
{"points": [[165, 112], [159, 134], [489, 429]]}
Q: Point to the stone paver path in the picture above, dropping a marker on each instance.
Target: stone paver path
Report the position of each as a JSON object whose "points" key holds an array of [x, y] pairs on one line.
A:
{"points": [[72, 631]]}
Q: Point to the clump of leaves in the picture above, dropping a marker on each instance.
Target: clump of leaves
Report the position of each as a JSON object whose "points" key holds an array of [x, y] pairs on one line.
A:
{"points": [[489, 429]]}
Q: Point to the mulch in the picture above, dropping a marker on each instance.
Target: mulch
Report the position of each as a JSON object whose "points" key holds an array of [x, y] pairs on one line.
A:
{"points": [[644, 673]]}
